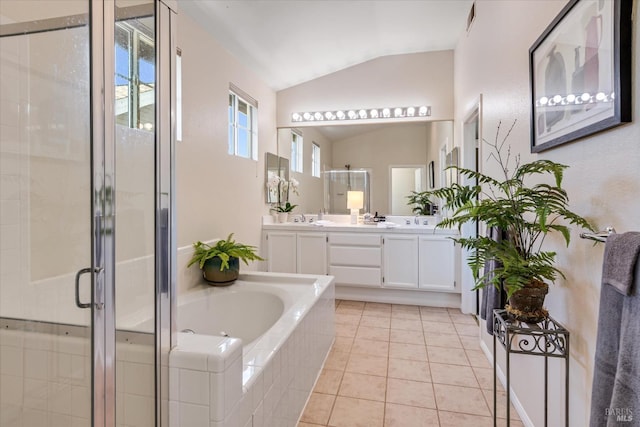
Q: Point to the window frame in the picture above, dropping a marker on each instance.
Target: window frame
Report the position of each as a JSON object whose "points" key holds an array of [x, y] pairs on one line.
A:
{"points": [[315, 159], [297, 152], [234, 126]]}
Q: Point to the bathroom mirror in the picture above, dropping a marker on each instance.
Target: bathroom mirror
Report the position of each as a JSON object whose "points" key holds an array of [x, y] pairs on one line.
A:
{"points": [[403, 180], [374, 147], [279, 167]]}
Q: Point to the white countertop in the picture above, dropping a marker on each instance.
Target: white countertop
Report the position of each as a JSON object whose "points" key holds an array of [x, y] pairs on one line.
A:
{"points": [[337, 223]]}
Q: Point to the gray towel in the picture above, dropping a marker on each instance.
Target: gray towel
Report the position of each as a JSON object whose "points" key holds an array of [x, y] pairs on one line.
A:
{"points": [[615, 396], [620, 257], [492, 297]]}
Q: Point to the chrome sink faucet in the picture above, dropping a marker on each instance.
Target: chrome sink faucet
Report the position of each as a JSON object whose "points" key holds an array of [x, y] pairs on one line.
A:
{"points": [[303, 218]]}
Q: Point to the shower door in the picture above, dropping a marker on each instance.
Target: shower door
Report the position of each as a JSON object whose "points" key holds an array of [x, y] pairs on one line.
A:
{"points": [[81, 248]]}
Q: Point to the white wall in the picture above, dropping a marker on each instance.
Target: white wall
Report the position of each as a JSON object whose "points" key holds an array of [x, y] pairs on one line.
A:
{"points": [[391, 81], [217, 193], [602, 182]]}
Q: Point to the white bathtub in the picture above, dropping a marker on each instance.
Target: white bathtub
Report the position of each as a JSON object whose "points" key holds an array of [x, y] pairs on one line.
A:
{"points": [[279, 330]]}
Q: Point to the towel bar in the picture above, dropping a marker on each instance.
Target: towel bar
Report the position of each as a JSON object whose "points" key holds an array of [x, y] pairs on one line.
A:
{"points": [[600, 236]]}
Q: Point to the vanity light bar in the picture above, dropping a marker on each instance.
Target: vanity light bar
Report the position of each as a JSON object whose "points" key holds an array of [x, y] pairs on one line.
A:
{"points": [[573, 99], [362, 114]]}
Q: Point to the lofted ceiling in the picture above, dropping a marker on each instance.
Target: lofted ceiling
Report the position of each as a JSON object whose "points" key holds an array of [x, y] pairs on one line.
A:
{"points": [[288, 42]]}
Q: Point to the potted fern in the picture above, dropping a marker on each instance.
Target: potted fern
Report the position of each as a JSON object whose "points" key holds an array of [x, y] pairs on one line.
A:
{"points": [[220, 262], [527, 208]]}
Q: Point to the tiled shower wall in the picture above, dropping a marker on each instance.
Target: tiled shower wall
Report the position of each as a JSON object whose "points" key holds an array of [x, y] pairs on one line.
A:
{"points": [[14, 184], [45, 380]]}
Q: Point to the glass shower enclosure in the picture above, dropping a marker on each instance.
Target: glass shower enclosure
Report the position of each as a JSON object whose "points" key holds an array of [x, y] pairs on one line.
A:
{"points": [[336, 184], [85, 212]]}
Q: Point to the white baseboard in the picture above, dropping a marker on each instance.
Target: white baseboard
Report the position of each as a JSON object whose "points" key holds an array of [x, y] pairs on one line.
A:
{"points": [[398, 296]]}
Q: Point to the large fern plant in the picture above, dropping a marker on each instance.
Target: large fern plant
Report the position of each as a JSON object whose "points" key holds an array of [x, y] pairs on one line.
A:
{"points": [[523, 205], [223, 249]]}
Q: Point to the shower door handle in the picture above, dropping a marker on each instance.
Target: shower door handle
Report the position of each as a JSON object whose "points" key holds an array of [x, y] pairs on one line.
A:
{"points": [[78, 274]]}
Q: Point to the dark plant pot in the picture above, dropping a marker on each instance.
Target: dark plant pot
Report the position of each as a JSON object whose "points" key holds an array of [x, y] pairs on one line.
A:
{"points": [[526, 304], [212, 274]]}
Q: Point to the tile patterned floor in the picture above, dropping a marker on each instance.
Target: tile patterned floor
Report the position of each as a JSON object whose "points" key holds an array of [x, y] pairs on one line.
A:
{"points": [[404, 366]]}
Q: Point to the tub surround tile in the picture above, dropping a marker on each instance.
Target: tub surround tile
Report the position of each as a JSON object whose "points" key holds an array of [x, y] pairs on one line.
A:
{"points": [[269, 384]]}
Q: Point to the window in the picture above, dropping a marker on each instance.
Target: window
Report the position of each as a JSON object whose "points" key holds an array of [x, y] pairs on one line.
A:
{"points": [[296, 152], [179, 95], [315, 160], [243, 128], [135, 75]]}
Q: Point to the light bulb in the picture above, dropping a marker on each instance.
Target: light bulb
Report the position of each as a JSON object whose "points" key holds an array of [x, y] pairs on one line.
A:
{"points": [[340, 115], [352, 114], [307, 116], [373, 113], [296, 117], [362, 114], [411, 111], [423, 111], [397, 112], [318, 116], [386, 112]]}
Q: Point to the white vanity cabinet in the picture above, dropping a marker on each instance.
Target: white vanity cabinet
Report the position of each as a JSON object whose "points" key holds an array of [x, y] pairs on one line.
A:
{"points": [[438, 262], [400, 264], [291, 252], [311, 253], [389, 265], [355, 259], [281, 251]]}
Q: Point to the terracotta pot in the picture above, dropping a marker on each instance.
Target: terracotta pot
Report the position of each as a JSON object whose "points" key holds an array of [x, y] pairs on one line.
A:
{"points": [[527, 304], [212, 274]]}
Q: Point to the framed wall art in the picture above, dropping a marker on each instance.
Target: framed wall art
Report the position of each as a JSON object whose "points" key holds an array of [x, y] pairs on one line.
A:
{"points": [[580, 72]]}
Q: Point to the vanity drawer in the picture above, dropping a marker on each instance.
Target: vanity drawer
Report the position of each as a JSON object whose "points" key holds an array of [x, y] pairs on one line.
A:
{"points": [[356, 276], [353, 239], [355, 256]]}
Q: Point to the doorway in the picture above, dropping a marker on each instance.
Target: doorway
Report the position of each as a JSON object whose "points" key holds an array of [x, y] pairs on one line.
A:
{"points": [[81, 149], [471, 146]]}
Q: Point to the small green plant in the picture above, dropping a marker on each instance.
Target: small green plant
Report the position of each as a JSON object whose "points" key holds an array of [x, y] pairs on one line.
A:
{"points": [[288, 207], [223, 249], [422, 203]]}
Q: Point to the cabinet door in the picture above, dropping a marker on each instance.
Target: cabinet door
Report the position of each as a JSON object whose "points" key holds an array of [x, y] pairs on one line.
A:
{"points": [[400, 254], [312, 253], [437, 261], [281, 252]]}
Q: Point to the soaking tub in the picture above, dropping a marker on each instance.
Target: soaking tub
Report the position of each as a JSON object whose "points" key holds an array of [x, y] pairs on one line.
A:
{"points": [[249, 354]]}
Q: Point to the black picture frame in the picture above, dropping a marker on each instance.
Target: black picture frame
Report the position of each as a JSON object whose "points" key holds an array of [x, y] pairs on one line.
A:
{"points": [[431, 173], [580, 72]]}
